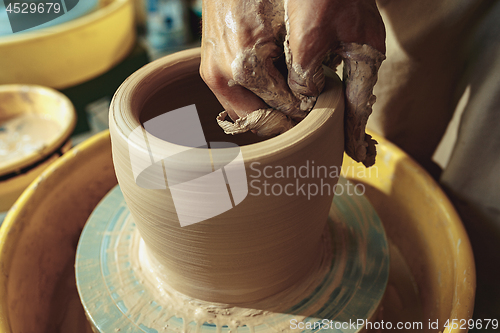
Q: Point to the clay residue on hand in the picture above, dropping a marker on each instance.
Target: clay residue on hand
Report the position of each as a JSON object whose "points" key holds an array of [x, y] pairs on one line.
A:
{"points": [[298, 74], [361, 65], [264, 122], [254, 69]]}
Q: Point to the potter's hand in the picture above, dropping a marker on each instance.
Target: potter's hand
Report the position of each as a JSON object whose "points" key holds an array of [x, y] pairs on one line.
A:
{"points": [[242, 39], [349, 30]]}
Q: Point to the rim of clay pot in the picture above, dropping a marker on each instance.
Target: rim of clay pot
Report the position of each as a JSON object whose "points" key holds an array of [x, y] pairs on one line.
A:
{"points": [[128, 101], [64, 115]]}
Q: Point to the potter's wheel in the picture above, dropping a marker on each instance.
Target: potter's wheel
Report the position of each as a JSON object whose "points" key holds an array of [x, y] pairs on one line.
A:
{"points": [[119, 297]]}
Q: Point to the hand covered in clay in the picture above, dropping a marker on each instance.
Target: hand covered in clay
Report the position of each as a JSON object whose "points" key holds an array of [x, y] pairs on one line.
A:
{"points": [[243, 41]]}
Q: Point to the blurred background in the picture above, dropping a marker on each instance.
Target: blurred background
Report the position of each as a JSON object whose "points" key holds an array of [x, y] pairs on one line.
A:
{"points": [[143, 30]]}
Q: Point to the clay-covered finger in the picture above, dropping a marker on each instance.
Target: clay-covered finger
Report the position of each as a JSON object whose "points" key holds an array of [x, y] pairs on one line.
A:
{"points": [[254, 69], [263, 122], [306, 78], [307, 44], [247, 111], [236, 100], [361, 65]]}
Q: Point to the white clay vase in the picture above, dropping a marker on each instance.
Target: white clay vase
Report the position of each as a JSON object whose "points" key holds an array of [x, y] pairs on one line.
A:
{"points": [[237, 245]]}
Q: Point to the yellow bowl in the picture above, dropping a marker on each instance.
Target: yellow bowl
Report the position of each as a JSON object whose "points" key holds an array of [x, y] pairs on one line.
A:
{"points": [[70, 53], [432, 274], [39, 236], [35, 125], [427, 233]]}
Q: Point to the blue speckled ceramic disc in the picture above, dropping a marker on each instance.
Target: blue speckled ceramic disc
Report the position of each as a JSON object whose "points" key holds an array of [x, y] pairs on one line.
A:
{"points": [[350, 291]]}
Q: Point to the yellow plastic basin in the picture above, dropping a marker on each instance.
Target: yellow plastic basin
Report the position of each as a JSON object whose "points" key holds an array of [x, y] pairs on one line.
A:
{"points": [[432, 274], [425, 231], [70, 53]]}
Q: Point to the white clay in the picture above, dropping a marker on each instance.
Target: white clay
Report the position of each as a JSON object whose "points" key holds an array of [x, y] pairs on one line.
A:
{"points": [[265, 122]]}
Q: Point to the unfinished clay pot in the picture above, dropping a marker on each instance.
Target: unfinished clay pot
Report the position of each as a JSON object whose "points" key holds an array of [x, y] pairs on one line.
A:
{"points": [[242, 240]]}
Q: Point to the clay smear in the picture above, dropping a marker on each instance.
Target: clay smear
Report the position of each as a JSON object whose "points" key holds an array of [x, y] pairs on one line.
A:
{"points": [[264, 122], [255, 70], [361, 65]]}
